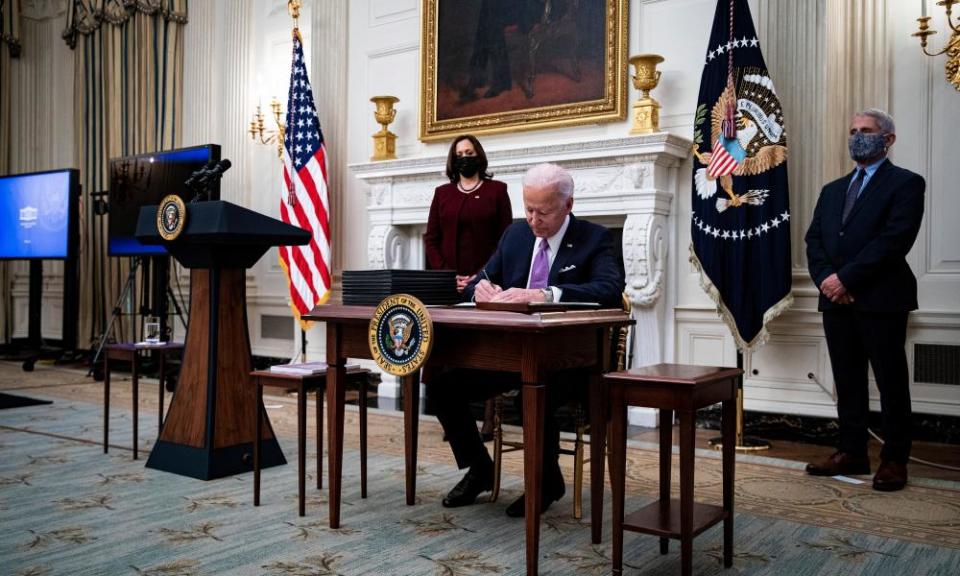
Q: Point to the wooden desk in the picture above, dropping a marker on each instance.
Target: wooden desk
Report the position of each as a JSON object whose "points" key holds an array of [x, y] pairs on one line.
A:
{"points": [[681, 389], [529, 344], [132, 353]]}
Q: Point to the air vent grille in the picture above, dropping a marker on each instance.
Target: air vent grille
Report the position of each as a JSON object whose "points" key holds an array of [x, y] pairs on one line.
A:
{"points": [[276, 327], [936, 364]]}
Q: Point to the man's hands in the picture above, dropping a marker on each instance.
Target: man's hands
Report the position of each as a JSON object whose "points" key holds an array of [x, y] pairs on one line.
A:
{"points": [[462, 281], [486, 291], [834, 289]]}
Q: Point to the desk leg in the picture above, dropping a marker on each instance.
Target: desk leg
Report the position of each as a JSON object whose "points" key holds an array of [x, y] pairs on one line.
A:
{"points": [[534, 409], [302, 447], [320, 391], [257, 441], [336, 375], [729, 462], [411, 429], [687, 431], [666, 459], [363, 435], [618, 465], [106, 402], [163, 376], [136, 402], [598, 432]]}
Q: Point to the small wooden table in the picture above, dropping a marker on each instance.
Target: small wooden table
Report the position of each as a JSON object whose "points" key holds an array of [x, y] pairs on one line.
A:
{"points": [[303, 384], [681, 389], [131, 352]]}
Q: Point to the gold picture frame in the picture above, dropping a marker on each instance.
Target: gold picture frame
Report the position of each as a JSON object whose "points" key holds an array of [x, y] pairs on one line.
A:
{"points": [[494, 66]]}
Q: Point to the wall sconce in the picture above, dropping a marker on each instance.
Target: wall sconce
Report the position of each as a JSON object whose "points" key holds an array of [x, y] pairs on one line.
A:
{"points": [[952, 49], [263, 135]]}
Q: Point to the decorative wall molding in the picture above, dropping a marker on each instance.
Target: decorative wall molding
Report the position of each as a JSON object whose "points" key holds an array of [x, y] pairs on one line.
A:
{"points": [[392, 11], [393, 50]]}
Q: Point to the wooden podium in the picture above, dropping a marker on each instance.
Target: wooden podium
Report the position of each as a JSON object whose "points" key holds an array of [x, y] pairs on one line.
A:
{"points": [[209, 430]]}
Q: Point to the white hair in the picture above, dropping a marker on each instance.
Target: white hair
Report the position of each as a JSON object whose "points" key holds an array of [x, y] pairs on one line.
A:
{"points": [[546, 174], [884, 120]]}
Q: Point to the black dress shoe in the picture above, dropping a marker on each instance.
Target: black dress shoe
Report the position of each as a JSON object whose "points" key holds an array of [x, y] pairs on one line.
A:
{"points": [[891, 476], [518, 508], [840, 464], [467, 490]]}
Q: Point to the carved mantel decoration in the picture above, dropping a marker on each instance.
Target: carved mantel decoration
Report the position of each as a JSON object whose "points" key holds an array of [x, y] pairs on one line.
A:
{"points": [[626, 183]]}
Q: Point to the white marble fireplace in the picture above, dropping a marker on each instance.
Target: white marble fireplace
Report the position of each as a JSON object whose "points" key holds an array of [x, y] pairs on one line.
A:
{"points": [[627, 183]]}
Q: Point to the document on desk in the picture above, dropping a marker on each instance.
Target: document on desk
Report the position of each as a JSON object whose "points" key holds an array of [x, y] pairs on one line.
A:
{"points": [[532, 307]]}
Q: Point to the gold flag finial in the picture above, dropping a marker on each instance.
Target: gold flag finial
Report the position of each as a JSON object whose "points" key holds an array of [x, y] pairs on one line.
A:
{"points": [[293, 8]]}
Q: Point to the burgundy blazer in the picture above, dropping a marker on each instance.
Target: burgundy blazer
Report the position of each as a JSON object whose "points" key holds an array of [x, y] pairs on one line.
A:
{"points": [[463, 229]]}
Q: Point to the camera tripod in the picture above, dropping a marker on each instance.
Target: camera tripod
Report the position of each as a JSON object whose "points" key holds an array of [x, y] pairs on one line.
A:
{"points": [[162, 295]]}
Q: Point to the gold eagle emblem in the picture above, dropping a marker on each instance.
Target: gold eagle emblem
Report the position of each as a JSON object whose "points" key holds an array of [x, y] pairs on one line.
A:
{"points": [[760, 133]]}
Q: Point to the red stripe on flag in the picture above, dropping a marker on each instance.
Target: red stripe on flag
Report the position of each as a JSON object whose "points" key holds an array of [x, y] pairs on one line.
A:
{"points": [[305, 224], [295, 270], [307, 179]]}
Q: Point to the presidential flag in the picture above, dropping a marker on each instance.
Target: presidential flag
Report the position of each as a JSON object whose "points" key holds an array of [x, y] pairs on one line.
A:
{"points": [[305, 200], [741, 208]]}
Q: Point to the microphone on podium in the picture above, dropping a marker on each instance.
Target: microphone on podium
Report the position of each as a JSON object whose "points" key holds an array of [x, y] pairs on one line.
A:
{"points": [[197, 176], [201, 180]]}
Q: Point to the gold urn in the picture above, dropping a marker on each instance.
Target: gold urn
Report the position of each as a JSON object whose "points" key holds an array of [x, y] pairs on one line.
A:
{"points": [[384, 141], [646, 110]]}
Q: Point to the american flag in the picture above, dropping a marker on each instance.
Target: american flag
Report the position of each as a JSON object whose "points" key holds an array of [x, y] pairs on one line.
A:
{"points": [[722, 162], [305, 202]]}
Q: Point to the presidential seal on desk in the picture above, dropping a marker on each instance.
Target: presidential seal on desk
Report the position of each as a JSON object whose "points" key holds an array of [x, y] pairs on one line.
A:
{"points": [[401, 334], [171, 217]]}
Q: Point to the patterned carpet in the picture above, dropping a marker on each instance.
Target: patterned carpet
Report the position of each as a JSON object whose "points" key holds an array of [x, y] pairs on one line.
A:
{"points": [[66, 508]]}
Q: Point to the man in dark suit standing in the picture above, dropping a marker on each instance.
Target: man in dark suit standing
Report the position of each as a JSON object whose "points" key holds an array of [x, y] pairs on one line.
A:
{"points": [[553, 257], [862, 229]]}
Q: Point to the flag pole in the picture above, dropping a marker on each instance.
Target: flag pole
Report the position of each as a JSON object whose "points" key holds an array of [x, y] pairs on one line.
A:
{"points": [[744, 443], [729, 130], [303, 345]]}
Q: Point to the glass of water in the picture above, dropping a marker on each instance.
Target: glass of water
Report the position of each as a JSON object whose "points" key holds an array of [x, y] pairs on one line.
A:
{"points": [[151, 330]]}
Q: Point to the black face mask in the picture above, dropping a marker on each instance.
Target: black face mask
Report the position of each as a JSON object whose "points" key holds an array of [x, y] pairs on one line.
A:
{"points": [[467, 166]]}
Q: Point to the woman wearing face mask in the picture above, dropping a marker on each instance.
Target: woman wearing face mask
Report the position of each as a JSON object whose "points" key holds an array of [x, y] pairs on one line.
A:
{"points": [[467, 217]]}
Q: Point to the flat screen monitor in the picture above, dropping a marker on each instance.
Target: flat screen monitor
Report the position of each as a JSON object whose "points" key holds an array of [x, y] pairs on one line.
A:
{"points": [[143, 180], [39, 215]]}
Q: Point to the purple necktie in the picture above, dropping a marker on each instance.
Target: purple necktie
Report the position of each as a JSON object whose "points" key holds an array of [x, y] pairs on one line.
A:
{"points": [[541, 266]]}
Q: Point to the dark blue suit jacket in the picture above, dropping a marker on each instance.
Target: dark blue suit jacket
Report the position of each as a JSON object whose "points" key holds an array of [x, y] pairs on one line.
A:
{"points": [[585, 267], [869, 251]]}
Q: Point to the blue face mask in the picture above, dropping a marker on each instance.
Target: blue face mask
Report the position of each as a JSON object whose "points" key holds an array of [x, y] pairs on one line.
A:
{"points": [[865, 146]]}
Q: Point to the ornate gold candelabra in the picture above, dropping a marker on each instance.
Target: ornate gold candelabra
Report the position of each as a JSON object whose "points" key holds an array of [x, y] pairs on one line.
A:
{"points": [[952, 49], [646, 110], [263, 135], [384, 141]]}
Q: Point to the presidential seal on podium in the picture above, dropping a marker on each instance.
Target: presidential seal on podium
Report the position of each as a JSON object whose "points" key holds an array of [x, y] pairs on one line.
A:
{"points": [[171, 217], [401, 334]]}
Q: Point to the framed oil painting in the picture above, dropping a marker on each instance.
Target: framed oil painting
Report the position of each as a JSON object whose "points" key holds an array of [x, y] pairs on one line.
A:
{"points": [[491, 66]]}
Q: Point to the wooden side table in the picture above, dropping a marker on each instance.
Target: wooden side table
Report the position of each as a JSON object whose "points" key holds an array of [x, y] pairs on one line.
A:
{"points": [[681, 389], [303, 384], [132, 353]]}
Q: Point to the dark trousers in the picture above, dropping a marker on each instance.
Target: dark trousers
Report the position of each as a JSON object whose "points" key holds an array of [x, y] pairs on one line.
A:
{"points": [[451, 394], [855, 338]]}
